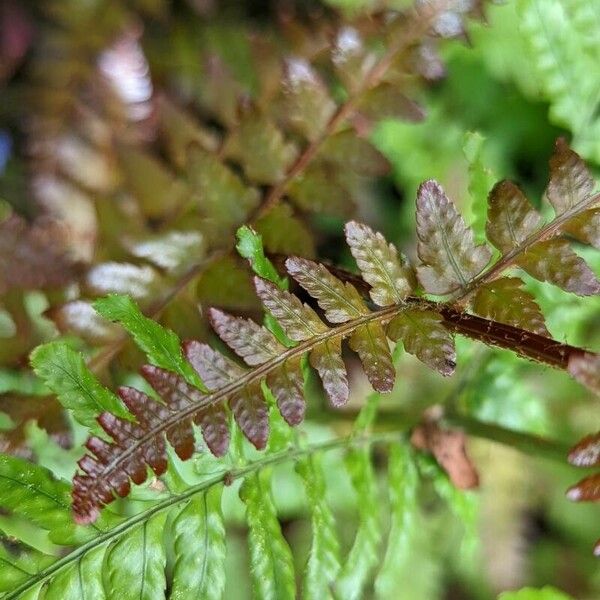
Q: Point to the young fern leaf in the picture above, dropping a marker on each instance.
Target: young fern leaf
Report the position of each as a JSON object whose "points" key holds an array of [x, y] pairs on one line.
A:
{"points": [[446, 247]]}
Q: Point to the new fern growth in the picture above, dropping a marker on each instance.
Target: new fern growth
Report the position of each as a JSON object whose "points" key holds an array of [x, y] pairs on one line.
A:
{"points": [[451, 265]]}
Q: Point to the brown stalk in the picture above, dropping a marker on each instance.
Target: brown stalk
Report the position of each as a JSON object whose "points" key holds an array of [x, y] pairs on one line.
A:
{"points": [[520, 341]]}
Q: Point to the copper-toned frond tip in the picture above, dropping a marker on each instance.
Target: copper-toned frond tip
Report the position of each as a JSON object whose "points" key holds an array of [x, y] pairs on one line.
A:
{"points": [[352, 228], [561, 144], [215, 316], [428, 186], [573, 493]]}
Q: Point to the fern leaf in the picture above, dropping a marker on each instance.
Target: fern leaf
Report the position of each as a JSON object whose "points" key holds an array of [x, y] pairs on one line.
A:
{"points": [[261, 148], [154, 186], [585, 227], [389, 275], [350, 57], [586, 453], [18, 564], [424, 335], [81, 580], [371, 345], [321, 188], [450, 259], [566, 70], [363, 555], [250, 341], [199, 545], [271, 563], [403, 481], [299, 321], [585, 368], [287, 385], [160, 345], [30, 491], [341, 302], [326, 358], [387, 101], [180, 131], [587, 490], [555, 262], [65, 373], [504, 300], [570, 180], [134, 566], [247, 403], [529, 593], [351, 152], [323, 563], [308, 106], [250, 246], [222, 195], [512, 220]]}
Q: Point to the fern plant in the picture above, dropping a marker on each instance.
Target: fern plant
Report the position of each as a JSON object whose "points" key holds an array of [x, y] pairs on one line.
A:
{"points": [[178, 542]]}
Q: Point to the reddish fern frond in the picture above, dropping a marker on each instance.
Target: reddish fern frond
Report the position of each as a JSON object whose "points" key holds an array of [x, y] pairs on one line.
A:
{"points": [[450, 261]]}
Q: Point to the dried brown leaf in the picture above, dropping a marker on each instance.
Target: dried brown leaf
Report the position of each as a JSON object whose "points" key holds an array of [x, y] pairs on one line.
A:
{"points": [[449, 449], [450, 258]]}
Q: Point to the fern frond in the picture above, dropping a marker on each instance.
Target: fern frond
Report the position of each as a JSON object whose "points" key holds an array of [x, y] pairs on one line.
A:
{"points": [[108, 552], [424, 327]]}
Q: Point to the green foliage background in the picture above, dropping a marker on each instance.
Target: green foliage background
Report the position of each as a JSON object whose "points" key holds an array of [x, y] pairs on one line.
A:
{"points": [[527, 76]]}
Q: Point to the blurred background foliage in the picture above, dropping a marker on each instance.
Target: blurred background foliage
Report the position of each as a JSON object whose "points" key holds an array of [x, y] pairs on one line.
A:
{"points": [[136, 136]]}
